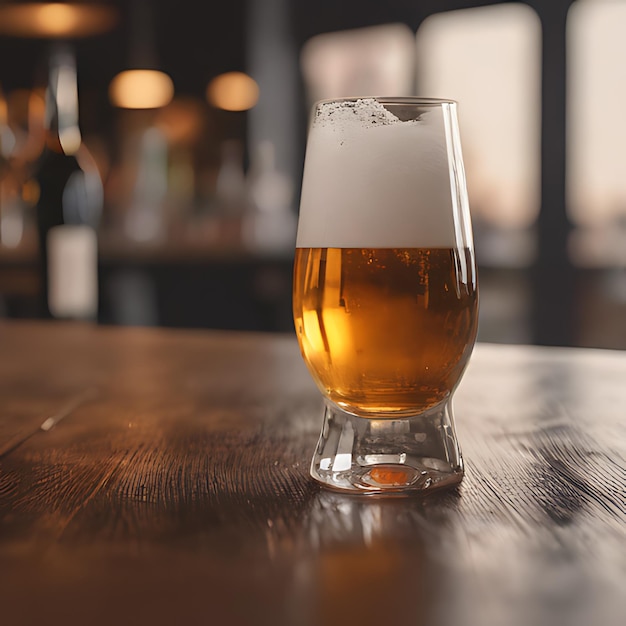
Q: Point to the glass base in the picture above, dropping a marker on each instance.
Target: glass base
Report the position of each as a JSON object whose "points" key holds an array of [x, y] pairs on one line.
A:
{"points": [[388, 456]]}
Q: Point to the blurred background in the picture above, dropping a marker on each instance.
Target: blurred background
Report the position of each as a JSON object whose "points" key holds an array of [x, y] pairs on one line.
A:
{"points": [[200, 149]]}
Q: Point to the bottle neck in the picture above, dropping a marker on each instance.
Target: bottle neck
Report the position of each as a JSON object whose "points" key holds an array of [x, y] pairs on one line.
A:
{"points": [[62, 130]]}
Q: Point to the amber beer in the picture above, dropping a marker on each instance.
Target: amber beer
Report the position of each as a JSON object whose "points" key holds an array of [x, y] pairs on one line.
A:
{"points": [[385, 331], [385, 292]]}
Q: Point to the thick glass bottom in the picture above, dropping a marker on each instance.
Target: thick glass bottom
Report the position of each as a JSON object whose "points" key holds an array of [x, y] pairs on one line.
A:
{"points": [[388, 456]]}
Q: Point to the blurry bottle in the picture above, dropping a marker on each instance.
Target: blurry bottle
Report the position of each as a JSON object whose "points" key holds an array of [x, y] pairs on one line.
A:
{"points": [[70, 201], [146, 215], [270, 222], [231, 179], [21, 145], [11, 216], [230, 193], [26, 113]]}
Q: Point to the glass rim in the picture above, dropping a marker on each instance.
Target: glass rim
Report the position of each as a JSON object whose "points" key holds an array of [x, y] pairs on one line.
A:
{"points": [[413, 100]]}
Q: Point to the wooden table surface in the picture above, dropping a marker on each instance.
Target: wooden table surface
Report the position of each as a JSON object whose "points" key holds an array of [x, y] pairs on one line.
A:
{"points": [[161, 478]]}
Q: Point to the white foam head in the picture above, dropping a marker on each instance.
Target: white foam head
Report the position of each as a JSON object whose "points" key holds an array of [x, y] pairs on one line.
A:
{"points": [[374, 181]]}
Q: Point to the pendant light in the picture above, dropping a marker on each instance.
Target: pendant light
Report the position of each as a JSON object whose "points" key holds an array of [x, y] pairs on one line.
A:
{"points": [[56, 20], [142, 86], [233, 91]]}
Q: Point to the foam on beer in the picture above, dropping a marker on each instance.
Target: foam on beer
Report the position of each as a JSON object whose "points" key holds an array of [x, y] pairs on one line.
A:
{"points": [[374, 181]]}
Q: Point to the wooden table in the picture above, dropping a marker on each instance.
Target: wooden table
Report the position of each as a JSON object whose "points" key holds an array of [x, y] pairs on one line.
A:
{"points": [[161, 478]]}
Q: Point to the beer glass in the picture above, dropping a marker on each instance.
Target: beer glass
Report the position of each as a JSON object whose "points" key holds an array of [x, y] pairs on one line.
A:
{"points": [[385, 295]]}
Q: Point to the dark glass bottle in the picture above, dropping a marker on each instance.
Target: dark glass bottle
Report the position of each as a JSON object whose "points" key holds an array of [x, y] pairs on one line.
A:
{"points": [[70, 201]]}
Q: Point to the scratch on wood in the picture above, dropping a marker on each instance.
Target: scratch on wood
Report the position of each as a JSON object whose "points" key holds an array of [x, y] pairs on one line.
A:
{"points": [[50, 422]]}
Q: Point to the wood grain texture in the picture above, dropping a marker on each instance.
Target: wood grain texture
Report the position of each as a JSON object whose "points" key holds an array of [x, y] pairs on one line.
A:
{"points": [[177, 491]]}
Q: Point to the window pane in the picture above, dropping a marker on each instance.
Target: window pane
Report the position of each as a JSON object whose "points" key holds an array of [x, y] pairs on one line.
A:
{"points": [[489, 60], [596, 131], [374, 61]]}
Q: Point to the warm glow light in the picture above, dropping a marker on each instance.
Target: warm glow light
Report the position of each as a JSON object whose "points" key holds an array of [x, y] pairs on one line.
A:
{"points": [[55, 19], [182, 120], [233, 91], [141, 89]]}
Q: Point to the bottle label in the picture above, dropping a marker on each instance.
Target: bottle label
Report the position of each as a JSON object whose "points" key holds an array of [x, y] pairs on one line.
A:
{"points": [[73, 272]]}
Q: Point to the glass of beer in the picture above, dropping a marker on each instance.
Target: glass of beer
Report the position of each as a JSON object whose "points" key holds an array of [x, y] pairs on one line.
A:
{"points": [[385, 295]]}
